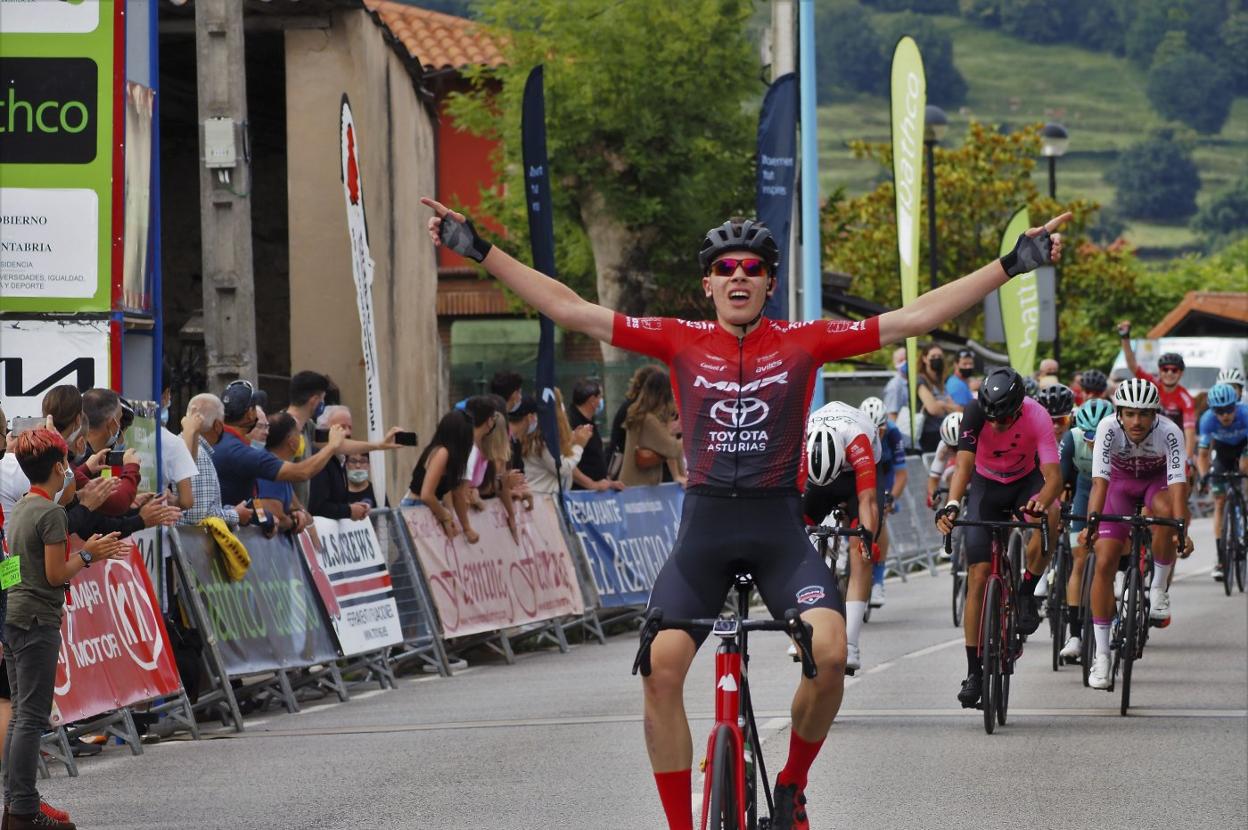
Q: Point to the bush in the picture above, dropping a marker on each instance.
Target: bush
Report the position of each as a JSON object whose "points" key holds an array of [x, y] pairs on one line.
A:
{"points": [[1102, 27], [986, 13], [1107, 227], [917, 6], [851, 55], [945, 84], [1148, 21], [1226, 215], [1041, 21], [1155, 179], [1186, 86], [1233, 57]]}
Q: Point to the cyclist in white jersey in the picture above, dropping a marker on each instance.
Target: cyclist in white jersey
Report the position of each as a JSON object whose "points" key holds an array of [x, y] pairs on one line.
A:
{"points": [[1136, 457]]}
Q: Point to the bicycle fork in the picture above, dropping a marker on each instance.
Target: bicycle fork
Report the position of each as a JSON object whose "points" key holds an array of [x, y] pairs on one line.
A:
{"points": [[727, 710]]}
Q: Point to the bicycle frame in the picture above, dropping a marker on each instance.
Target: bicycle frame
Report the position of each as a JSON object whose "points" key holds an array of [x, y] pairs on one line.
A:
{"points": [[734, 710]]}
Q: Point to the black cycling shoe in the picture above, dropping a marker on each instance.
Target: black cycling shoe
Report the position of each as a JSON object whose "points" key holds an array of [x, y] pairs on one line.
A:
{"points": [[972, 688], [1028, 615], [790, 808]]}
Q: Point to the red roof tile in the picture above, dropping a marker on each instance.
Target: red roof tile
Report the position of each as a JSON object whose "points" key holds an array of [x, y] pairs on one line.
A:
{"points": [[438, 41]]}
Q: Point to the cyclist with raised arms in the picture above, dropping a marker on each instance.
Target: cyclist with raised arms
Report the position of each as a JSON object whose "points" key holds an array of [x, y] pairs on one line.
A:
{"points": [[1137, 458], [744, 385], [1075, 450], [1008, 457], [891, 483], [1223, 449], [842, 454]]}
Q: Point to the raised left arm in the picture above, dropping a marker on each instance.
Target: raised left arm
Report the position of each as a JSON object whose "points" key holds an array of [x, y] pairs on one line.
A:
{"points": [[934, 308]]}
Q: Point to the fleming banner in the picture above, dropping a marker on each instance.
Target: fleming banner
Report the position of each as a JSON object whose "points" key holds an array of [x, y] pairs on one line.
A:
{"points": [[497, 583], [268, 620], [351, 577], [909, 102], [627, 536], [115, 651]]}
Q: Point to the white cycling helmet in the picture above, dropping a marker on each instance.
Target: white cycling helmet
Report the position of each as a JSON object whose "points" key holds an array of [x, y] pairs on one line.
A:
{"points": [[825, 453], [950, 428], [1232, 375], [1137, 393], [873, 408]]}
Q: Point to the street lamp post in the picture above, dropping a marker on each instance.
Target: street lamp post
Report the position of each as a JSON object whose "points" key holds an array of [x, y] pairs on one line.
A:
{"points": [[934, 130], [1054, 139]]}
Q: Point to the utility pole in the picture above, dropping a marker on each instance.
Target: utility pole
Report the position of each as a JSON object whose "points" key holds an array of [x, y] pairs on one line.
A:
{"points": [[224, 194]]}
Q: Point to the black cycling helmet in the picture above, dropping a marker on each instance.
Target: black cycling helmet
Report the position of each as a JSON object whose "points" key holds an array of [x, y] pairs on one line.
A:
{"points": [[1030, 387], [1001, 394], [1057, 399], [1094, 380], [740, 235], [1171, 359]]}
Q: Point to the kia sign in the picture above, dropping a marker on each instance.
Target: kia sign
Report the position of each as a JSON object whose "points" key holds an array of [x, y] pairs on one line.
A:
{"points": [[36, 355], [61, 154], [114, 648]]}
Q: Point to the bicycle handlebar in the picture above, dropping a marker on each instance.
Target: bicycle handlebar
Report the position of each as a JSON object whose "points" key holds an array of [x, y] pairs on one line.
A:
{"points": [[792, 624], [1023, 525], [824, 531], [1094, 519]]}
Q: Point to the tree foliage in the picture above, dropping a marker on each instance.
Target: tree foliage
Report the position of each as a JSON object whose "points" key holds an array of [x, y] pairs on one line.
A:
{"points": [[1186, 86], [916, 6], [1226, 214], [1041, 21], [650, 134], [945, 84], [1155, 179], [979, 185], [851, 56], [1233, 56]]}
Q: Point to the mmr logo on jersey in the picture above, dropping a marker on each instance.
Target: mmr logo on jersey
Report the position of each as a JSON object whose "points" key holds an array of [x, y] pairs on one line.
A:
{"points": [[733, 386]]}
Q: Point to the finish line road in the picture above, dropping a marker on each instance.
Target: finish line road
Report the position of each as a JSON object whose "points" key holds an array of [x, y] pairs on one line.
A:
{"points": [[555, 740]]}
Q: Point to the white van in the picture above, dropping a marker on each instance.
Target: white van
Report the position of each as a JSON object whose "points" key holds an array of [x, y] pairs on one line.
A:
{"points": [[1203, 356]]}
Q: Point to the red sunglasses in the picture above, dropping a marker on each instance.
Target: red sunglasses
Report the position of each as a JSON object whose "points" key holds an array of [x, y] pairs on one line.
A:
{"points": [[726, 267]]}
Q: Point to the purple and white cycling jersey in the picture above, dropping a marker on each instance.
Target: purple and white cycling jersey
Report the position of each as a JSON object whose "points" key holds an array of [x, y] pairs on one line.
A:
{"points": [[1159, 455]]}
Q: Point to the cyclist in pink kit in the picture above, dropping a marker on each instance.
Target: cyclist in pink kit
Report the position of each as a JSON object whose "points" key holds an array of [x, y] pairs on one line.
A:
{"points": [[744, 385], [1007, 455], [1137, 458]]}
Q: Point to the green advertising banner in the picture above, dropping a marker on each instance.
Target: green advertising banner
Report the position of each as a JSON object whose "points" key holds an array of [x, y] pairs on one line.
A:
{"points": [[1020, 304], [57, 97], [909, 101]]}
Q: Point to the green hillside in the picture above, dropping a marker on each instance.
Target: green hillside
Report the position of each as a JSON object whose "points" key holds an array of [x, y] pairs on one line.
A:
{"points": [[1098, 97]]}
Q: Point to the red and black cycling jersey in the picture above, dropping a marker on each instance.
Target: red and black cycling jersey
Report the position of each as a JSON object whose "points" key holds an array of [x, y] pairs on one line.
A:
{"points": [[1176, 403], [743, 400]]}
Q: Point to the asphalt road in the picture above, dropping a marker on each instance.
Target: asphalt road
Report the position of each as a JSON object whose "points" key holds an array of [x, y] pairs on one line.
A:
{"points": [[554, 741]]}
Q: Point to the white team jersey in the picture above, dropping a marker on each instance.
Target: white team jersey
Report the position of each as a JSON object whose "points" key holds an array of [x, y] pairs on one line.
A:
{"points": [[849, 422], [1161, 452]]}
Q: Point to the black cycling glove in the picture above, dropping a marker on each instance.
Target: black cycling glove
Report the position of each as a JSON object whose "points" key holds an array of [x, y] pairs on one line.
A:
{"points": [[1030, 252], [462, 238]]}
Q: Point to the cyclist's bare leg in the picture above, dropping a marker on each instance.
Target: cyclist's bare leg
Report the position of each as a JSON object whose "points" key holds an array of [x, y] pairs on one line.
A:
{"points": [[976, 577], [1108, 552], [1164, 540], [817, 700], [859, 574], [1074, 585], [1037, 561], [1219, 502], [668, 741]]}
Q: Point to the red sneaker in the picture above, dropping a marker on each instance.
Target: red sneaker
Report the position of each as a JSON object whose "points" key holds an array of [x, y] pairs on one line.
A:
{"points": [[53, 813]]}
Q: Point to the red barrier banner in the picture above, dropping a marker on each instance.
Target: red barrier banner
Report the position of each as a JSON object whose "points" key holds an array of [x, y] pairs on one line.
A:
{"points": [[115, 651], [497, 583]]}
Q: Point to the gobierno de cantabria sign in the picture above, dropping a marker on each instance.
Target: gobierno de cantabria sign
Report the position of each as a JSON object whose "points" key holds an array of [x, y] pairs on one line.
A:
{"points": [[57, 87]]}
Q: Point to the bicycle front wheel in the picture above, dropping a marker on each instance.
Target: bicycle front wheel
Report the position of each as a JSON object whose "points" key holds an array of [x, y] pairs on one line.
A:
{"points": [[722, 812], [1087, 633], [1229, 539], [1056, 600], [990, 647], [959, 579], [1009, 650], [1127, 652]]}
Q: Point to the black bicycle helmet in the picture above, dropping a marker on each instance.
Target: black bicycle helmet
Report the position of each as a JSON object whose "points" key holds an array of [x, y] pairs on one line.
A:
{"points": [[1030, 387], [1057, 399], [740, 235], [1001, 394], [1171, 359], [1093, 380]]}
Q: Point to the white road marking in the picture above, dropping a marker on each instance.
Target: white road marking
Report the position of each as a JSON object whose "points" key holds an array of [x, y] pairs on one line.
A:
{"points": [[933, 649]]}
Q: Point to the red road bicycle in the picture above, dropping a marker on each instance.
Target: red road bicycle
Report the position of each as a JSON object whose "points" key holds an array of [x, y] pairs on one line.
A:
{"points": [[734, 758]]}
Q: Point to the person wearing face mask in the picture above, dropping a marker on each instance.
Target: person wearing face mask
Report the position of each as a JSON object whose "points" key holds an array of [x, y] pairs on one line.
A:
{"points": [[507, 384], [934, 401], [329, 493], [104, 413], [897, 391], [591, 471], [957, 385], [359, 485]]}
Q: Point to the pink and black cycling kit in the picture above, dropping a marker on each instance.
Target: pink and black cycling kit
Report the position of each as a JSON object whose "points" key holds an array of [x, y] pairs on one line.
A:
{"points": [[1007, 468], [743, 404], [1136, 472]]}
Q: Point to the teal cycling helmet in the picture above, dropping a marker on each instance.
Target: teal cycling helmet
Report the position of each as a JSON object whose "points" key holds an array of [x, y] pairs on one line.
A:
{"points": [[1090, 415], [1222, 395]]}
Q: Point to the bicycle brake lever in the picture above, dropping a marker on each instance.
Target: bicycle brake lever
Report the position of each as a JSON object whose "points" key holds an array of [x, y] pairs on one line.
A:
{"points": [[801, 631], [649, 630]]}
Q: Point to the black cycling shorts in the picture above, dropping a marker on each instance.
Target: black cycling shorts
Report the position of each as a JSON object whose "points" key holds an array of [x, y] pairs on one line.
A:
{"points": [[764, 536], [992, 501]]}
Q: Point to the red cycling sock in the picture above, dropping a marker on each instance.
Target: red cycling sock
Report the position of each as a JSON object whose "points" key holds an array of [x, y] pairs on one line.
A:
{"points": [[676, 793], [801, 755]]}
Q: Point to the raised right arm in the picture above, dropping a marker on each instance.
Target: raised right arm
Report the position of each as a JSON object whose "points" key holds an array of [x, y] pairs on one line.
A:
{"points": [[549, 296]]}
